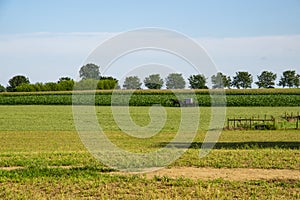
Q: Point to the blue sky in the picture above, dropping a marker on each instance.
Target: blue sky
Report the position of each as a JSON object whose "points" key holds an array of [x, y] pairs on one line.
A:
{"points": [[220, 18], [45, 40]]}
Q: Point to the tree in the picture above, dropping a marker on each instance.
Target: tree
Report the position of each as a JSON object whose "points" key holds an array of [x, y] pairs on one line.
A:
{"points": [[197, 81], [220, 80], [154, 81], [2, 88], [175, 81], [242, 80], [288, 79], [266, 79], [132, 82], [89, 71], [16, 81], [64, 79]]}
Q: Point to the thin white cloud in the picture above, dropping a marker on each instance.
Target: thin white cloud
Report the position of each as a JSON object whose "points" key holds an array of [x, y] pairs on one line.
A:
{"points": [[48, 56], [254, 54]]}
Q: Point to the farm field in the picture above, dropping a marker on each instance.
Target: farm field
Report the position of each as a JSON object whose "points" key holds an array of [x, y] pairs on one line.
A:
{"points": [[42, 157], [234, 98]]}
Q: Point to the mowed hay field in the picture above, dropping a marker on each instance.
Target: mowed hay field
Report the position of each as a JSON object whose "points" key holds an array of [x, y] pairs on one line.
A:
{"points": [[42, 157]]}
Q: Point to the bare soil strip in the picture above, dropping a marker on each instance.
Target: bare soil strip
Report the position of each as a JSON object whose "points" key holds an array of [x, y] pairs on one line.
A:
{"points": [[11, 168], [236, 174], [233, 174]]}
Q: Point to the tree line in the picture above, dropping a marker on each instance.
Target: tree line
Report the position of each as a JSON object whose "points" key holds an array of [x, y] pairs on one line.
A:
{"points": [[92, 79]]}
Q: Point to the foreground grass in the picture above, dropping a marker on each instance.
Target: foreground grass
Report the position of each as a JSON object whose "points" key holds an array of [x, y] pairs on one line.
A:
{"points": [[40, 138], [87, 183]]}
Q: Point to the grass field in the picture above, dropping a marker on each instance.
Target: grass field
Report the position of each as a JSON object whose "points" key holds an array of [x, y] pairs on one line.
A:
{"points": [[42, 157]]}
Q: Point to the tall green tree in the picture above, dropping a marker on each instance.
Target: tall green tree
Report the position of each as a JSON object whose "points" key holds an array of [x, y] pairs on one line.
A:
{"points": [[90, 71], [197, 81], [220, 80], [288, 79], [132, 82], [242, 80], [175, 81], [16, 81], [154, 81], [266, 79]]}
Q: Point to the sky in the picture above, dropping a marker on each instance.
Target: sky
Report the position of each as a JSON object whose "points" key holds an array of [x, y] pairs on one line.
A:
{"points": [[45, 40]]}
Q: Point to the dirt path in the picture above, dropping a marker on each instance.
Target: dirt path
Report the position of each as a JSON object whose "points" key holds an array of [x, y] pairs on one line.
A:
{"points": [[235, 174]]}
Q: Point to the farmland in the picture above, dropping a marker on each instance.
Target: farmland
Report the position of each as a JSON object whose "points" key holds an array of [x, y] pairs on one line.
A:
{"points": [[41, 156], [234, 98]]}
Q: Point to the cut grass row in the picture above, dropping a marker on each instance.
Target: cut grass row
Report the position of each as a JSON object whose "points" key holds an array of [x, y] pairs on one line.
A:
{"points": [[218, 158], [247, 149]]}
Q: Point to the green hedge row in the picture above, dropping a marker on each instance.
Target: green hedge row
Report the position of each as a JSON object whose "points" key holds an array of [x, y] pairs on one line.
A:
{"points": [[277, 91], [142, 98]]}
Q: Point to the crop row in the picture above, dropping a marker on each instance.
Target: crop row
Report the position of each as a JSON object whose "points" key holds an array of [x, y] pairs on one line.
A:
{"points": [[140, 99]]}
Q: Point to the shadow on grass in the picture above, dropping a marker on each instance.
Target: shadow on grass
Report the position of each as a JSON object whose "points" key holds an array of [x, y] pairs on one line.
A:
{"points": [[234, 145]]}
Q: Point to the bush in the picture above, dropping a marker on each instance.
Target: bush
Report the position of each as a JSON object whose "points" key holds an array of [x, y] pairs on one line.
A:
{"points": [[107, 84], [2, 88], [65, 85], [51, 86], [39, 87], [86, 84], [26, 87]]}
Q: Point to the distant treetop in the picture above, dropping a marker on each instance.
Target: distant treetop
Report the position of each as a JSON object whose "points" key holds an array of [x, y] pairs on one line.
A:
{"points": [[90, 71], [175, 81]]}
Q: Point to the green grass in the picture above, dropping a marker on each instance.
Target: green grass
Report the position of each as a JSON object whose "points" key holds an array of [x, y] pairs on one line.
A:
{"points": [[86, 183], [60, 118], [39, 138], [46, 136], [277, 149]]}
